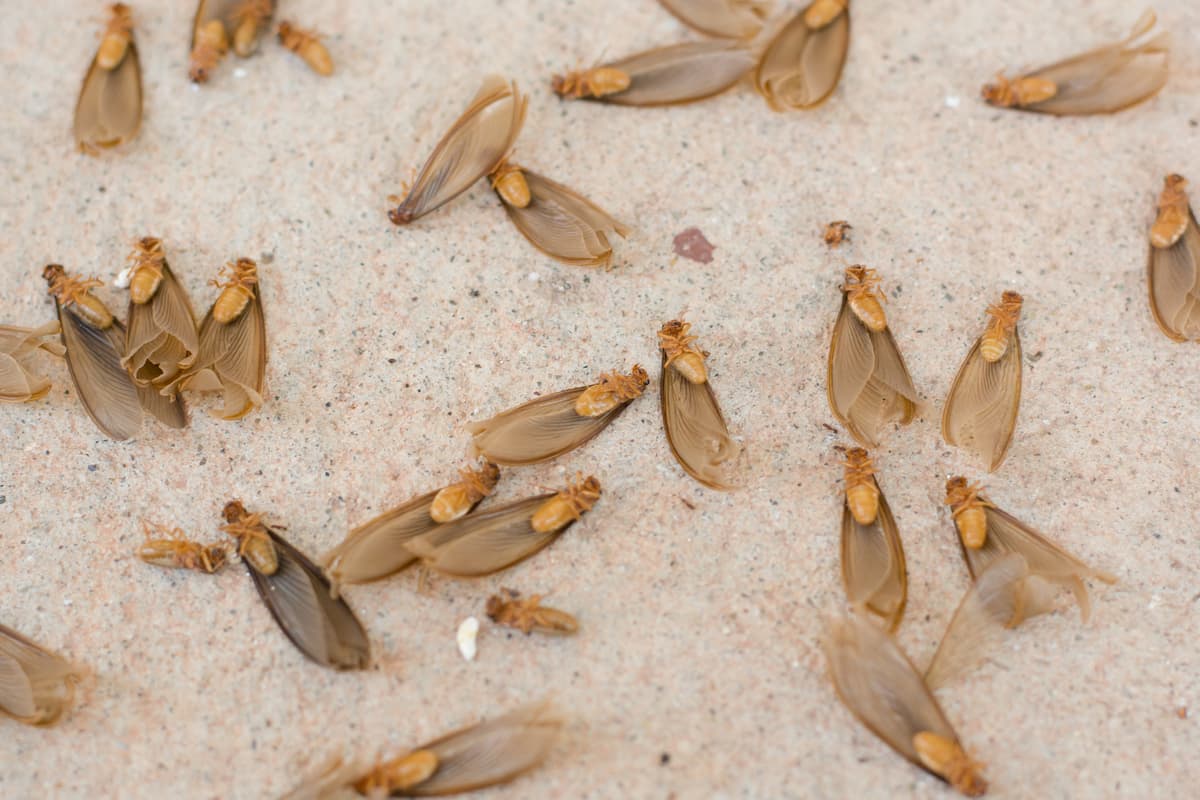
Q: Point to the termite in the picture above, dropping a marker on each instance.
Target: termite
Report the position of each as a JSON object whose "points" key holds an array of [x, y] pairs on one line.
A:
{"points": [[528, 614], [968, 511], [116, 37], [509, 182], [945, 757], [567, 506], [1019, 92], [211, 44], [402, 772], [1004, 316], [236, 291], [307, 45], [1172, 219], [455, 500], [836, 232], [75, 294], [254, 543], [172, 549], [594, 82], [862, 493], [865, 301], [248, 18], [678, 346], [146, 270]]}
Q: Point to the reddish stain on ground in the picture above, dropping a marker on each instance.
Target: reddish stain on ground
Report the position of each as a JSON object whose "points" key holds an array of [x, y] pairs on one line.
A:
{"points": [[691, 244]]}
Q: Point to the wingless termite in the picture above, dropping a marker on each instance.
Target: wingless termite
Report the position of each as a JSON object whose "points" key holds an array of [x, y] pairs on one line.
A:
{"points": [[801, 66], [95, 342], [1173, 267], [874, 573], [36, 686], [376, 549], [306, 44], [162, 340], [985, 533], [726, 19], [298, 595], [867, 382], [1101, 81], [170, 548], [555, 424], [528, 615], [672, 75], [836, 232], [696, 429], [109, 109], [981, 408], [18, 382]]}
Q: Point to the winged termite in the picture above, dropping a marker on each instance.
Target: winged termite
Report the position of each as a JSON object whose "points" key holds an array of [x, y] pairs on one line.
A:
{"points": [[528, 615], [233, 343], [880, 686], [695, 427], [376, 549], [306, 44], [555, 424], [36, 686], [18, 382], [801, 66], [1101, 81], [679, 73], [489, 541], [170, 548], [726, 19], [1004, 596], [981, 408], [867, 382], [210, 37], [162, 340], [475, 144], [874, 573], [1004, 534], [555, 219], [94, 341], [109, 109], [1173, 268], [298, 594], [486, 754], [249, 20], [836, 232]]}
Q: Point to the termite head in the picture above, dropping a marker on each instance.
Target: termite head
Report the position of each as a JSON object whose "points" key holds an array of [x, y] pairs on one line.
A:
{"points": [[835, 232], [1008, 311], [53, 273], [959, 492], [121, 20], [1174, 185], [626, 387], [822, 12], [482, 479], [858, 463], [582, 493], [861, 280], [999, 93], [234, 511], [399, 215], [946, 758]]}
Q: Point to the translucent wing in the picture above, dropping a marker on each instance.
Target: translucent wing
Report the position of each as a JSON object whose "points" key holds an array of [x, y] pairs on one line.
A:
{"points": [[851, 363], [233, 358], [981, 408], [696, 429], [300, 600], [801, 67], [376, 549], [680, 73], [1174, 278], [16, 695], [727, 19], [109, 109], [162, 339], [18, 383], [539, 430], [36, 686], [873, 567], [484, 542], [472, 147], [564, 225], [105, 388]]}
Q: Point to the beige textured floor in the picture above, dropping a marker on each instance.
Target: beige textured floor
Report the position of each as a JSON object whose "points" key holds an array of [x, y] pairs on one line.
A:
{"points": [[698, 671]]}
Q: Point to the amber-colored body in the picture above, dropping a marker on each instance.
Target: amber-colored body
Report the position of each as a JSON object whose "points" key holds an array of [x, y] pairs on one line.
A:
{"points": [[254, 542], [236, 290], [249, 17], [595, 82], [865, 301], [509, 182], [75, 292], [399, 773], [822, 12], [307, 45], [994, 342], [211, 45], [147, 269], [528, 614], [836, 232], [116, 37], [457, 499], [862, 495], [681, 354], [946, 758], [173, 550], [967, 507], [1172, 219], [612, 389], [1019, 92], [567, 506]]}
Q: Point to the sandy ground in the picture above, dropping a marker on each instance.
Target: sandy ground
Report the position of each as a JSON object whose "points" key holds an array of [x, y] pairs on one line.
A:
{"points": [[698, 670]]}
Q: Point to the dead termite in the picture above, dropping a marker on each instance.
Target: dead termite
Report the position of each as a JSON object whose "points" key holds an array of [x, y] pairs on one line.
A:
{"points": [[210, 43], [171, 548], [1173, 266], [109, 109], [837, 232], [528, 615], [162, 340], [874, 572], [249, 19], [306, 44], [671, 75], [802, 64]]}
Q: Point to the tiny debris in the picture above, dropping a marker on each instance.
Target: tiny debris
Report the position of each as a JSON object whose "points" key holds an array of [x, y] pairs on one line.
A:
{"points": [[1182, 712], [835, 232], [692, 245], [953, 101], [123, 277], [468, 631], [664, 759]]}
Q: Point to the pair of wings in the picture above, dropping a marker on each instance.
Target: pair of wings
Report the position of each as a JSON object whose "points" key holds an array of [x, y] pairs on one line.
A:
{"points": [[696, 429], [18, 384], [162, 339], [867, 382], [1174, 277], [801, 67], [376, 549], [724, 19], [981, 409], [109, 109], [232, 359], [874, 573], [679, 73], [544, 428], [563, 224], [36, 686]]}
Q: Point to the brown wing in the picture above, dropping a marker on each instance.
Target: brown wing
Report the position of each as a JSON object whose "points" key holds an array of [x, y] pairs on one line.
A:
{"points": [[680, 73], [18, 383], [300, 600], [726, 19], [36, 686], [234, 356], [105, 388], [162, 339], [490, 753], [801, 67], [851, 363], [542, 429], [874, 573], [482, 543], [376, 549], [563, 224], [981, 408], [1174, 279], [696, 429], [109, 109], [867, 382]]}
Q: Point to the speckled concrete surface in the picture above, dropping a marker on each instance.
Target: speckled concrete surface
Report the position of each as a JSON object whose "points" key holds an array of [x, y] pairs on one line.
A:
{"points": [[698, 671]]}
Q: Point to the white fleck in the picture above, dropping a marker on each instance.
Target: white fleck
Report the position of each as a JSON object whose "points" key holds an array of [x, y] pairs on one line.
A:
{"points": [[67, 601], [533, 276], [239, 72], [122, 280], [1154, 601], [467, 632], [952, 101]]}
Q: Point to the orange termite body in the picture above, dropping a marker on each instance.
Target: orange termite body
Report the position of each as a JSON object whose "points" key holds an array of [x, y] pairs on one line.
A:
{"points": [[1172, 218], [1019, 92], [566, 506], [968, 510], [172, 549], [836, 232], [307, 45], [116, 38], [507, 608], [822, 12], [74, 292], [400, 773], [147, 269], [236, 291], [212, 42], [676, 343], [946, 758], [862, 495], [457, 499], [249, 17], [863, 299], [994, 342], [254, 543], [612, 390], [509, 181], [595, 82]]}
